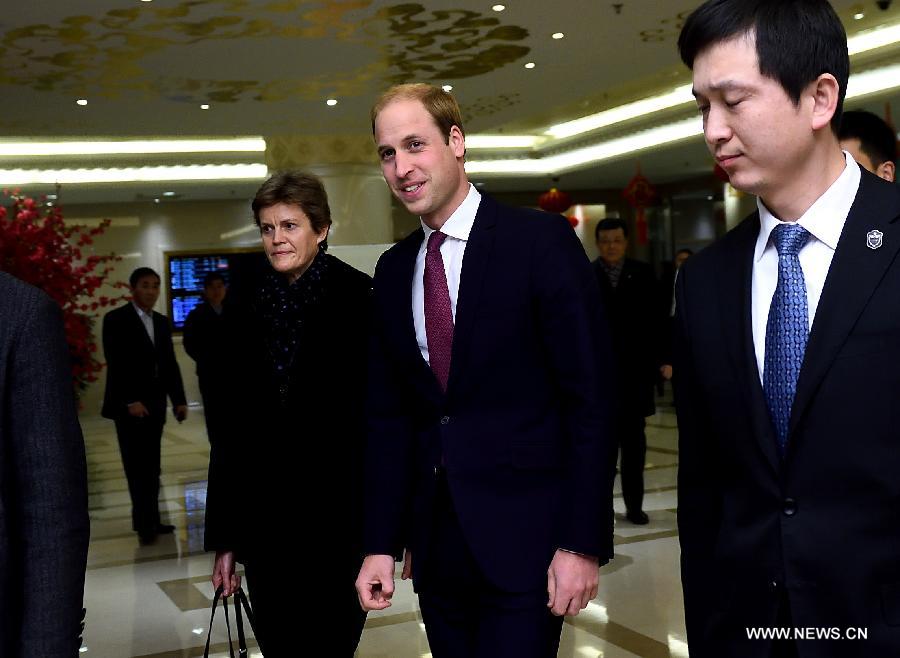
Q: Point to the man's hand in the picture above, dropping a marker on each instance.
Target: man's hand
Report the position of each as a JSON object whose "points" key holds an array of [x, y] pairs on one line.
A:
{"points": [[138, 410], [180, 412], [571, 582], [375, 583], [223, 573]]}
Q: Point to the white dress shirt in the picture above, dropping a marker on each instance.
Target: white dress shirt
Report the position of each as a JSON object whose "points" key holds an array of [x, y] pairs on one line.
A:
{"points": [[825, 221], [457, 229], [147, 319]]}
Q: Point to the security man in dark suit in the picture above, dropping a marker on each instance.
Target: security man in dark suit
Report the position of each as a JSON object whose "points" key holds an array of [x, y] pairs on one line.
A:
{"points": [[44, 523], [631, 298], [489, 454], [141, 372], [786, 351]]}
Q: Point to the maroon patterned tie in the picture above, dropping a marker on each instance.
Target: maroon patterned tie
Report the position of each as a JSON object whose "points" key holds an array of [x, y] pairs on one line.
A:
{"points": [[438, 314]]}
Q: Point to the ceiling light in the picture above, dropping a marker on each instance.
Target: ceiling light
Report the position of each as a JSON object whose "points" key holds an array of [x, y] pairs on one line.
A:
{"points": [[81, 101], [871, 39], [874, 81], [557, 35], [133, 147], [503, 141], [331, 102], [529, 65], [859, 16], [447, 88], [133, 174], [156, 200], [679, 96], [168, 194], [205, 106], [498, 7]]}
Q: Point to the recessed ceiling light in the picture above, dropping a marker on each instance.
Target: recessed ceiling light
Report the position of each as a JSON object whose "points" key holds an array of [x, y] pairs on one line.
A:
{"points": [[168, 194], [529, 65], [331, 102], [156, 200], [557, 35], [82, 101], [447, 88], [205, 106], [498, 7]]}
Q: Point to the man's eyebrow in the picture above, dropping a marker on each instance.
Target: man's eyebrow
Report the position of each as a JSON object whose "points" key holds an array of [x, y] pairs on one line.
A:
{"points": [[724, 85]]}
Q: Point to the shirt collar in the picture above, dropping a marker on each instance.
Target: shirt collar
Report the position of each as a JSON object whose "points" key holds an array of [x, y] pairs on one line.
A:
{"points": [[825, 218], [459, 224], [141, 312]]}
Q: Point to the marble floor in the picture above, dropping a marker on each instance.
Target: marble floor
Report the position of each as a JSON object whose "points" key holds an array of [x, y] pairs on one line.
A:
{"points": [[153, 601]]}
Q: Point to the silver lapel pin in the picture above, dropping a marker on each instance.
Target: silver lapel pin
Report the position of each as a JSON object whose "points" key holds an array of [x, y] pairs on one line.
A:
{"points": [[874, 239]]}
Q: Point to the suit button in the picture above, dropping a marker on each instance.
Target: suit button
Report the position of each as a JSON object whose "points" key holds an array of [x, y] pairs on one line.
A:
{"points": [[445, 420], [790, 507], [773, 586]]}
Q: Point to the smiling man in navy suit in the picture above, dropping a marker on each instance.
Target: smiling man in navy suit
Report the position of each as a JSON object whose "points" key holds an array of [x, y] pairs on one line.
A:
{"points": [[787, 349], [489, 451]]}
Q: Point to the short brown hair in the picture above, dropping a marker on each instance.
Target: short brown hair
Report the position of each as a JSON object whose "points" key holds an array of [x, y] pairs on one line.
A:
{"points": [[296, 188], [442, 107]]}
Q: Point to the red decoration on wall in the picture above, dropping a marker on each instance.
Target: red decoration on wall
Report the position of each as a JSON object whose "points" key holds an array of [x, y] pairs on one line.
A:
{"points": [[573, 220], [554, 201], [639, 193]]}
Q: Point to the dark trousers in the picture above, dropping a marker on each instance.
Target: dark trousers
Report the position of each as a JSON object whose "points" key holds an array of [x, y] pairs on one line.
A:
{"points": [[215, 411], [633, 449], [466, 616], [139, 442], [279, 609]]}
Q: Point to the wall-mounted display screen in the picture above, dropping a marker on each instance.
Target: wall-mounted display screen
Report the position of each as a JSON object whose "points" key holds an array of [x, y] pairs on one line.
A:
{"points": [[185, 272]]}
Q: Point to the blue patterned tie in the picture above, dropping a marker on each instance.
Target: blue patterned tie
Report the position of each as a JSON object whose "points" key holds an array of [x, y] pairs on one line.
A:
{"points": [[787, 329]]}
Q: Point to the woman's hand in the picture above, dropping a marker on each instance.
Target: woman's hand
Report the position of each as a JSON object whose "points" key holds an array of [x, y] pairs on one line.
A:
{"points": [[223, 573]]}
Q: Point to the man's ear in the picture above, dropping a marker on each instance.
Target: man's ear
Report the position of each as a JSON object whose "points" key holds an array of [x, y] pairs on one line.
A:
{"points": [[824, 91], [457, 141], [887, 170]]}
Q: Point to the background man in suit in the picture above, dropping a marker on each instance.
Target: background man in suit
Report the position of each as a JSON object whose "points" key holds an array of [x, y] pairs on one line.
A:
{"points": [[631, 297], [141, 372], [206, 340], [871, 142], [787, 344], [44, 524], [491, 461]]}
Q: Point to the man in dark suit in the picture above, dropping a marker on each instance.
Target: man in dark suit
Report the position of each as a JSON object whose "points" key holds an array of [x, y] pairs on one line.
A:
{"points": [[787, 344], [490, 461], [871, 141], [206, 340], [44, 524], [631, 298], [141, 372]]}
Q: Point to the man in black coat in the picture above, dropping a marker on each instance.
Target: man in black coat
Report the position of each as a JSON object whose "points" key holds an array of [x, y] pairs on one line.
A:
{"points": [[44, 524], [786, 350], [489, 455], [206, 340], [631, 297], [141, 372]]}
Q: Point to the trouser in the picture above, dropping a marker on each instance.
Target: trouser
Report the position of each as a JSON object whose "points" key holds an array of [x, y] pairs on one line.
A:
{"points": [[465, 615], [633, 448], [140, 442]]}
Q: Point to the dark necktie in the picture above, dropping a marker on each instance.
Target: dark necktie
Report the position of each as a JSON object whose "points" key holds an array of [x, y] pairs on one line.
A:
{"points": [[787, 329], [438, 314]]}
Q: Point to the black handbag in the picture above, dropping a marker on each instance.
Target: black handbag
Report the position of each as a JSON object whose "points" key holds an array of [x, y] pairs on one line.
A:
{"points": [[241, 605]]}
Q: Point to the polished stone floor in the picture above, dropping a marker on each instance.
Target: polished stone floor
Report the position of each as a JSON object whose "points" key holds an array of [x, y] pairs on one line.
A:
{"points": [[153, 601]]}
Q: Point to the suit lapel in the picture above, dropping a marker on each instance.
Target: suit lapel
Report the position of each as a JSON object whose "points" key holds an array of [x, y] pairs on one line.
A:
{"points": [[855, 272], [478, 251], [736, 274]]}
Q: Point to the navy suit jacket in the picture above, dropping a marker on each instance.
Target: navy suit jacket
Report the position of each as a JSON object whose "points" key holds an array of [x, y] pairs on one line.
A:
{"points": [[821, 526], [44, 523], [522, 429], [139, 370]]}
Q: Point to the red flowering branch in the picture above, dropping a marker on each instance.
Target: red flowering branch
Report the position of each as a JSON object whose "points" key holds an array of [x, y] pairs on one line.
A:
{"points": [[37, 247]]}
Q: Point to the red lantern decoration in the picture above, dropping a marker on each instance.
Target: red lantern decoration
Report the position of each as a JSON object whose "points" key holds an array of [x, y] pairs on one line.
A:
{"points": [[639, 193], [554, 201]]}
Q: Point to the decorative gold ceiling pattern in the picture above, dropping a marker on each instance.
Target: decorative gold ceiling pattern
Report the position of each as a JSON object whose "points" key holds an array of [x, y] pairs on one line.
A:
{"points": [[81, 54]]}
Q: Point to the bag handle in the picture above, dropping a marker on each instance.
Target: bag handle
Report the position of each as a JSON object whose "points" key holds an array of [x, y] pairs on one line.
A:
{"points": [[227, 622], [240, 601]]}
